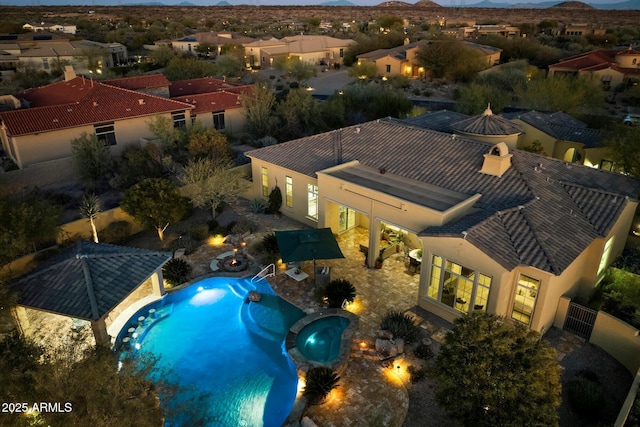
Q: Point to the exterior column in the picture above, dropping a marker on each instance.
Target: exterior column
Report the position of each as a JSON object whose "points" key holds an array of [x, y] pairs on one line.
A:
{"points": [[374, 240], [99, 328], [157, 283], [21, 319]]}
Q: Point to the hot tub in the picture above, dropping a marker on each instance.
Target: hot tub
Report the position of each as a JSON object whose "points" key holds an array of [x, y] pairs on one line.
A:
{"points": [[322, 339]]}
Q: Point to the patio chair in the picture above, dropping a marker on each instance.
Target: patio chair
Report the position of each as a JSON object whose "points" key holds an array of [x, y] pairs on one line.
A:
{"points": [[414, 265], [323, 275]]}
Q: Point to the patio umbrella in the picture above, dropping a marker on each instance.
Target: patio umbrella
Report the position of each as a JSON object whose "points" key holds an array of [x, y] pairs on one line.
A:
{"points": [[305, 245]]}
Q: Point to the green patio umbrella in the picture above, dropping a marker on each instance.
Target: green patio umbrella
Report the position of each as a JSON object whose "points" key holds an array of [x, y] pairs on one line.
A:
{"points": [[305, 245]]}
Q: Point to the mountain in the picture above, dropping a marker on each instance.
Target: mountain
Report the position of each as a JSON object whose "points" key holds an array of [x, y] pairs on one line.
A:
{"points": [[489, 3], [223, 3], [338, 3], [572, 5], [395, 3], [626, 5]]}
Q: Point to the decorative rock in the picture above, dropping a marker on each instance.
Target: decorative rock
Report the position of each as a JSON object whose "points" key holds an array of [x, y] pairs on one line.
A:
{"points": [[389, 348], [307, 422], [387, 335], [254, 296]]}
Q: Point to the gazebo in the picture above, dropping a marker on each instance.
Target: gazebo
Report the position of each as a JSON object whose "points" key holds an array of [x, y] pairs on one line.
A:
{"points": [[88, 281]]}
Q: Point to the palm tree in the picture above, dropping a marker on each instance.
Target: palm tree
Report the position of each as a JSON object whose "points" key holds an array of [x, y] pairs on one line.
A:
{"points": [[320, 381], [90, 208]]}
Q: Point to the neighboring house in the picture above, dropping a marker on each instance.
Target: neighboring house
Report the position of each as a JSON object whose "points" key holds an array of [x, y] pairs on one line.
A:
{"points": [[48, 52], [476, 31], [563, 137], [152, 84], [503, 231], [581, 29], [62, 111], [216, 103], [189, 44], [611, 67], [402, 60], [43, 26], [311, 49]]}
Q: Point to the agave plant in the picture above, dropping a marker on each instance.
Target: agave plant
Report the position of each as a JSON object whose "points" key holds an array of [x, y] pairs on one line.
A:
{"points": [[320, 381], [270, 243], [339, 290], [400, 325], [176, 271]]}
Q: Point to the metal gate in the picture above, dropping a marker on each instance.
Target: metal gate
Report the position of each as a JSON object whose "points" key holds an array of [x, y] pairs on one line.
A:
{"points": [[580, 320]]}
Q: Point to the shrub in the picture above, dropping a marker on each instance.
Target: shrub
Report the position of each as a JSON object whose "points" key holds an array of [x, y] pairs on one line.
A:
{"points": [[199, 231], [339, 290], [275, 200], [270, 243], [400, 325], [257, 206], [116, 232], [244, 226], [417, 374], [266, 141], [423, 351], [586, 398], [186, 242], [176, 271], [213, 224], [319, 383]]}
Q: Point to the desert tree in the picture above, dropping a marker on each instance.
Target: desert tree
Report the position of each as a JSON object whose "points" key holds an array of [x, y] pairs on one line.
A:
{"points": [[90, 208], [180, 68], [208, 182], [163, 55], [228, 66], [622, 144], [474, 98], [258, 106], [155, 202], [561, 93], [296, 68], [491, 372], [90, 56], [209, 142], [299, 115], [92, 159]]}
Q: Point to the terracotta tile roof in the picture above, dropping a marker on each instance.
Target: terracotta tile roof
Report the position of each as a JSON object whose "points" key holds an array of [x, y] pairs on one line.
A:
{"points": [[211, 102], [193, 86], [542, 212], [87, 280], [215, 38], [140, 82], [79, 102]]}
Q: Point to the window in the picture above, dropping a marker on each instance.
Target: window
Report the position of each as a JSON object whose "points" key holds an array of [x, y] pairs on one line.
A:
{"points": [[634, 62], [218, 120], [179, 119], [288, 191], [265, 182], [457, 286], [388, 68], [193, 118], [45, 63], [312, 201], [106, 133], [525, 299], [341, 52], [607, 165]]}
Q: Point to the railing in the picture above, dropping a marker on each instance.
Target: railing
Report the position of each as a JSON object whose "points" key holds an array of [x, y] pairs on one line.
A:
{"points": [[265, 272]]}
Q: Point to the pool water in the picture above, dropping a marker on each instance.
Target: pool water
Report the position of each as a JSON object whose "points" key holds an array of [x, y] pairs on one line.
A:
{"points": [[321, 339], [227, 354]]}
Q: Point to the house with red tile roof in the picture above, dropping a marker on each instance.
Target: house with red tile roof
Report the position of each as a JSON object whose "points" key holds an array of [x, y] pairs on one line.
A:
{"points": [[612, 67], [153, 84], [55, 114], [216, 102]]}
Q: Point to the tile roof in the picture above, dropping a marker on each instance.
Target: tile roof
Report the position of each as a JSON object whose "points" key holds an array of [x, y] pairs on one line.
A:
{"points": [[561, 126], [487, 124], [201, 85], [437, 120], [542, 212], [79, 102], [211, 102], [216, 38], [87, 280], [147, 81]]}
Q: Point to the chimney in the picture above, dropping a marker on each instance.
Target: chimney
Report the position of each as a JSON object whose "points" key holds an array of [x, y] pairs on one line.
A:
{"points": [[497, 160], [69, 73], [141, 101]]}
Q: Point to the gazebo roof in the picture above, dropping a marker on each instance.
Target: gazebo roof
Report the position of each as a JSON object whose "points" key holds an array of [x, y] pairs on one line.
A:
{"points": [[487, 124], [87, 280]]}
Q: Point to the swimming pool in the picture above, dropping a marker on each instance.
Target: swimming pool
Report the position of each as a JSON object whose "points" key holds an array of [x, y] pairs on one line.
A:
{"points": [[321, 339], [226, 352]]}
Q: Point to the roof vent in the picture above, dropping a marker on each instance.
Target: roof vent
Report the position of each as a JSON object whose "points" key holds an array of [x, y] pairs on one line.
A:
{"points": [[141, 101], [95, 103], [357, 130], [497, 160]]}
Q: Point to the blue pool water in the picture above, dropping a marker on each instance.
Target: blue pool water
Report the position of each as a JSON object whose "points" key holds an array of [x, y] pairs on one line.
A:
{"points": [[320, 340], [226, 353]]}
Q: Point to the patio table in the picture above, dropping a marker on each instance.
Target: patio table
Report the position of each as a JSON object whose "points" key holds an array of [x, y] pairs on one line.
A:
{"points": [[296, 274]]}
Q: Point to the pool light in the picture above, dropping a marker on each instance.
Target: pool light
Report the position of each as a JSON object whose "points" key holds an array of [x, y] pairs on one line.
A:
{"points": [[138, 346], [200, 288]]}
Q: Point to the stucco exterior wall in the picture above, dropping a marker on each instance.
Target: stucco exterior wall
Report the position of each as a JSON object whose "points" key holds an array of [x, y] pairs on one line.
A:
{"points": [[561, 148], [234, 119], [594, 156], [532, 134], [619, 339], [42, 147]]}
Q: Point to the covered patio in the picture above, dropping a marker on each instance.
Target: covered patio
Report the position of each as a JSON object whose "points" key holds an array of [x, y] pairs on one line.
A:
{"points": [[84, 289]]}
